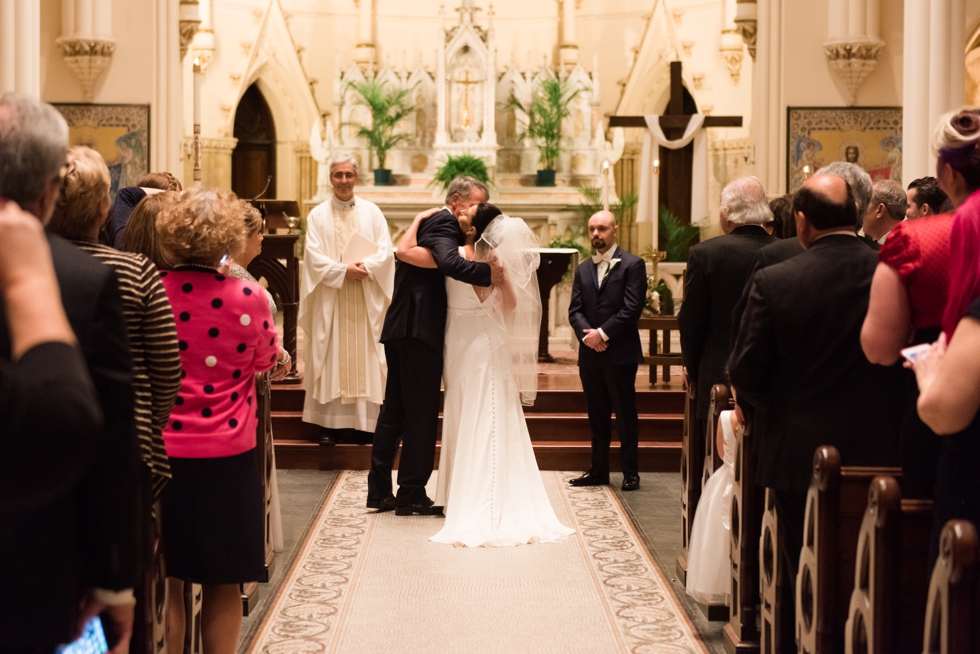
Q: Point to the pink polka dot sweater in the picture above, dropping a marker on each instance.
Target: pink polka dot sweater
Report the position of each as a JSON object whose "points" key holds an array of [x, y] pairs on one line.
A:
{"points": [[226, 335]]}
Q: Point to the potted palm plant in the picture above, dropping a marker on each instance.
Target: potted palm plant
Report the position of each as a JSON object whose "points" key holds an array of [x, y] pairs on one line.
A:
{"points": [[464, 164], [388, 108], [545, 114]]}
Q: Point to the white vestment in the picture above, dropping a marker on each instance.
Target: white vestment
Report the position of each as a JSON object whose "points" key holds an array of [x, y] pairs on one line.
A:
{"points": [[345, 369]]}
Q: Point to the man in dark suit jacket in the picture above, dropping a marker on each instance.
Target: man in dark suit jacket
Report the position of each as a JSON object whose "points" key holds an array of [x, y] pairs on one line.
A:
{"points": [[798, 357], [413, 335], [80, 546], [766, 256], [608, 295], [716, 274]]}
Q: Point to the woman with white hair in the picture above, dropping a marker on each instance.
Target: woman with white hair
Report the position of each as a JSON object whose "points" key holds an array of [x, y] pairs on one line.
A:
{"points": [[345, 289]]}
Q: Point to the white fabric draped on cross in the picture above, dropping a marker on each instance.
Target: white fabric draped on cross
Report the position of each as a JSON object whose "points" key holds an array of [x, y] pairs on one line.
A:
{"points": [[647, 209]]}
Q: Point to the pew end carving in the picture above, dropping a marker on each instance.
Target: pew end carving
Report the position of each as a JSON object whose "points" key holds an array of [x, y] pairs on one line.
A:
{"points": [[691, 461], [774, 594], [741, 634], [890, 575], [953, 609], [835, 507]]}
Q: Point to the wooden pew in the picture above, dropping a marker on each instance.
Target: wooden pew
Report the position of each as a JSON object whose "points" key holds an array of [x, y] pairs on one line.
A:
{"points": [[150, 621], [775, 596], [834, 512], [952, 622], [890, 575], [692, 455], [741, 634], [720, 401]]}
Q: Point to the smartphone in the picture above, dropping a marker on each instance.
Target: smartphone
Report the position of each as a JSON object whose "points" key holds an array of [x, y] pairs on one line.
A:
{"points": [[913, 353], [224, 261], [92, 641]]}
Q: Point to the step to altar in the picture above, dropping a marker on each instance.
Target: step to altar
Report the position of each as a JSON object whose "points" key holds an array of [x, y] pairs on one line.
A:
{"points": [[557, 423]]}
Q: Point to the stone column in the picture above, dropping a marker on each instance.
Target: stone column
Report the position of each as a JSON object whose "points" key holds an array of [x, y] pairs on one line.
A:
{"points": [[568, 53], [731, 47], [20, 47], [490, 94], [365, 55], [86, 40], [166, 126], [442, 86], [933, 77], [853, 44], [768, 107]]}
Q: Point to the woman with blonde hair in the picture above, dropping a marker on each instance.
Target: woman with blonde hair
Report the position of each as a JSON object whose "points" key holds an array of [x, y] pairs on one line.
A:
{"points": [[78, 216], [141, 235], [213, 515]]}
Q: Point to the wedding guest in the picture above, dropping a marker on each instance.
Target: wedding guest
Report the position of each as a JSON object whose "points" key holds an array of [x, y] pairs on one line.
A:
{"points": [[782, 213], [909, 294], [342, 310], [717, 271], [885, 211], [861, 187], [126, 200], [162, 181], [797, 357], [925, 198], [607, 300], [213, 509], [949, 382], [76, 554], [141, 233], [78, 215]]}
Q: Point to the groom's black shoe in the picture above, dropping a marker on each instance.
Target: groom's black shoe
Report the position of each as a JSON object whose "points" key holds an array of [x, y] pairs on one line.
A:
{"points": [[631, 482], [422, 506], [383, 505], [590, 479]]}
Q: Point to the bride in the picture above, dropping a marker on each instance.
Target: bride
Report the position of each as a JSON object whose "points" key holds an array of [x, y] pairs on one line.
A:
{"points": [[488, 477]]}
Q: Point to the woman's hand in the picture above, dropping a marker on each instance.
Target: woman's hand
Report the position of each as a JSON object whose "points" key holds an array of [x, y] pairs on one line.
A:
{"points": [[283, 366], [428, 212], [927, 363]]}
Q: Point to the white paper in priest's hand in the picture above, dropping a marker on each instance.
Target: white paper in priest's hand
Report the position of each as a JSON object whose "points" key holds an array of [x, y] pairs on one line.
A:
{"points": [[358, 249]]}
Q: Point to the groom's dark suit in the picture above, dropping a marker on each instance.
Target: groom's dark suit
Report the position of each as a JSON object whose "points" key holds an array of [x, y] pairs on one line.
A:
{"points": [[609, 377], [413, 335]]}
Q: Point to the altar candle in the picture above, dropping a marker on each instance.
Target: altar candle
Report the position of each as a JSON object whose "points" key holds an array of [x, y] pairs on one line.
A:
{"points": [[605, 185], [197, 91]]}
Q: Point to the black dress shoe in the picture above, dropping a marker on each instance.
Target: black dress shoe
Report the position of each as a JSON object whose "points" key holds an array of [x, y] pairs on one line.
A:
{"points": [[327, 437], [423, 506], [589, 479], [631, 482], [382, 505]]}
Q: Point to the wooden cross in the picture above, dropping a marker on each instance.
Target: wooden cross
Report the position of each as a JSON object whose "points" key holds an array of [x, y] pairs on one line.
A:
{"points": [[675, 110]]}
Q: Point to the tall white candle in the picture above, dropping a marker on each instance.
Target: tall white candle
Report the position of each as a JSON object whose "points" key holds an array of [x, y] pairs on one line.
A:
{"points": [[197, 91]]}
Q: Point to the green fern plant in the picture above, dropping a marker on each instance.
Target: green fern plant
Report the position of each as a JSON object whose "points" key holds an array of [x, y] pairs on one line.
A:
{"points": [[591, 203], [548, 109], [675, 237], [464, 164], [388, 108]]}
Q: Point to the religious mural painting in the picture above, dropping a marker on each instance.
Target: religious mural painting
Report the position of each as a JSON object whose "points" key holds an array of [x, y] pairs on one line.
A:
{"points": [[871, 137], [119, 132]]}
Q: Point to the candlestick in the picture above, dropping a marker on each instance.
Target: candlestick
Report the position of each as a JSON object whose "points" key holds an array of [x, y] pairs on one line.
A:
{"points": [[197, 121]]}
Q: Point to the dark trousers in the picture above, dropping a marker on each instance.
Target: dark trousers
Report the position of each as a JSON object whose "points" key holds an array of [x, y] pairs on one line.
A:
{"points": [[791, 512], [610, 388], [410, 415]]}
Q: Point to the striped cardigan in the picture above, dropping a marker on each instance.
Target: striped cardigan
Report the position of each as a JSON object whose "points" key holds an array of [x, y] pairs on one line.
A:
{"points": [[156, 357]]}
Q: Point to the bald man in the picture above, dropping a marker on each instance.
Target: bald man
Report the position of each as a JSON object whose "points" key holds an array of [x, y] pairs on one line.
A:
{"points": [[608, 295], [797, 358]]}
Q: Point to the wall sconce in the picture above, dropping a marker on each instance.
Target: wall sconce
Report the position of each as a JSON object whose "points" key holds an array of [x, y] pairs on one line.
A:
{"points": [[807, 173], [656, 166]]}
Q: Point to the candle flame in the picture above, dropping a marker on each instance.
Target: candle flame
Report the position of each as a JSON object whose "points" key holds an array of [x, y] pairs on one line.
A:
{"points": [[197, 61]]}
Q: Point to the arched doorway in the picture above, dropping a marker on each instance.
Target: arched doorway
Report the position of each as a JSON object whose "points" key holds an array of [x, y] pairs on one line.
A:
{"points": [[254, 159]]}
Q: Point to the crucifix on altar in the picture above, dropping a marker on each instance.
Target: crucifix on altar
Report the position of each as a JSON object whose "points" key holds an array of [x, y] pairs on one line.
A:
{"points": [[674, 165]]}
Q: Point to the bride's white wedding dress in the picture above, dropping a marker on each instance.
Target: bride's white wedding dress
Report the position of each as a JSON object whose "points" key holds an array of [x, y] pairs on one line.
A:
{"points": [[488, 477]]}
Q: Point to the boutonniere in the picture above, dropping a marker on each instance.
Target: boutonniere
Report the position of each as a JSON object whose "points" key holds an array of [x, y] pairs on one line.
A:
{"points": [[612, 264]]}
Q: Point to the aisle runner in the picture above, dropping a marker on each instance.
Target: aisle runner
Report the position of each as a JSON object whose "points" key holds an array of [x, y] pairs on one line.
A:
{"points": [[374, 583]]}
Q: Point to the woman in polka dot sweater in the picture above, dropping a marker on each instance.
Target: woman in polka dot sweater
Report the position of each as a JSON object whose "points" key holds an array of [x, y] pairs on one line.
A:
{"points": [[212, 511]]}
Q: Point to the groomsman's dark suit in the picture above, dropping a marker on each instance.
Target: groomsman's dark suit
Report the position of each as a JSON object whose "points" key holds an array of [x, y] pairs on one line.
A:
{"points": [[609, 377], [798, 358], [74, 525], [716, 274], [413, 335]]}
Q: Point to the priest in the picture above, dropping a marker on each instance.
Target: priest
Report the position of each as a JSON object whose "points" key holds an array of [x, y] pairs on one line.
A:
{"points": [[343, 300]]}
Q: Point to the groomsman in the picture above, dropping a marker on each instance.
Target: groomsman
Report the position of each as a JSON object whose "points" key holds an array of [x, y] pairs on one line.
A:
{"points": [[607, 299]]}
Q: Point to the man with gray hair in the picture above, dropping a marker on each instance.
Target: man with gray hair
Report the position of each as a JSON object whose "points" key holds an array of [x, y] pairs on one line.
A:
{"points": [[346, 286], [68, 525], [413, 336], [716, 274], [858, 180], [887, 208]]}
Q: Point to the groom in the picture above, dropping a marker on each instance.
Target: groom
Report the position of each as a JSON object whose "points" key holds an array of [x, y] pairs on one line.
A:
{"points": [[608, 295], [413, 334]]}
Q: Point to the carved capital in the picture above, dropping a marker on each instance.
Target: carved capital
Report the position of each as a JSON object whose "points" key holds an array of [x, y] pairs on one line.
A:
{"points": [[87, 58], [853, 61], [190, 21], [746, 22]]}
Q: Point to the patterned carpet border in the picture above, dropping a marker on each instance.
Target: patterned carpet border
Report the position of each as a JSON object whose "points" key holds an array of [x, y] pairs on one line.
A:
{"points": [[307, 613]]}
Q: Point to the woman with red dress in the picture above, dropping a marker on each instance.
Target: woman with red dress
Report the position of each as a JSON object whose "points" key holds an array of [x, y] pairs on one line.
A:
{"points": [[909, 295]]}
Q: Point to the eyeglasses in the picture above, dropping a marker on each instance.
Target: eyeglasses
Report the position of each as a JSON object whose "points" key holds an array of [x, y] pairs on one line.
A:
{"points": [[344, 176]]}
